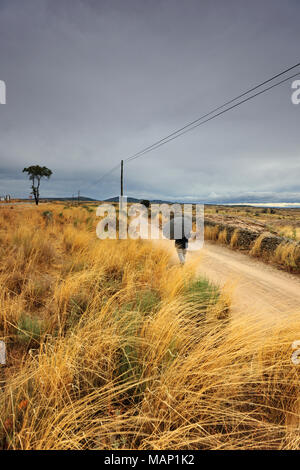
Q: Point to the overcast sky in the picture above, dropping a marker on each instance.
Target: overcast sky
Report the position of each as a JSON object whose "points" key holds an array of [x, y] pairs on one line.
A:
{"points": [[91, 82]]}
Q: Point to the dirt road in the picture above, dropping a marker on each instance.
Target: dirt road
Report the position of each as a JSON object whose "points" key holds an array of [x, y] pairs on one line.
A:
{"points": [[257, 286]]}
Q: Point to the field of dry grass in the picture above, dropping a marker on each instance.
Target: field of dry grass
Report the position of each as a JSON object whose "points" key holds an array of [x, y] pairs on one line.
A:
{"points": [[280, 221], [110, 346]]}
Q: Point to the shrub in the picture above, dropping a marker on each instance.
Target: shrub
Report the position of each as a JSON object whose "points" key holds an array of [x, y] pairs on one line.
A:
{"points": [[202, 293], [30, 330]]}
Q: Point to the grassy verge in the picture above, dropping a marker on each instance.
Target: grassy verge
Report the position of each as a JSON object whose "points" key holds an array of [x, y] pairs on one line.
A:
{"points": [[111, 347]]}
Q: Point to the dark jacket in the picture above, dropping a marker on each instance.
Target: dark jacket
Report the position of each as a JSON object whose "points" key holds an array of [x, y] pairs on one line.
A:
{"points": [[181, 243]]}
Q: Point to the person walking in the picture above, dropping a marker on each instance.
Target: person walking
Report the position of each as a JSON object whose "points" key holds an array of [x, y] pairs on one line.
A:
{"points": [[175, 230], [181, 247]]}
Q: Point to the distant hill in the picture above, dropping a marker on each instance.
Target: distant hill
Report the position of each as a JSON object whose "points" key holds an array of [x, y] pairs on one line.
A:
{"points": [[116, 199], [43, 199], [135, 201]]}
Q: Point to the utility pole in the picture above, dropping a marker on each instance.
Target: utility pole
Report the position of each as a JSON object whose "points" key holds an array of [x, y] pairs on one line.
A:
{"points": [[122, 182], [122, 177], [78, 197], [2, 364]]}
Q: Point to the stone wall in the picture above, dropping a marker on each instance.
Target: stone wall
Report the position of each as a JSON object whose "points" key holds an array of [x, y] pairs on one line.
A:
{"points": [[269, 242]]}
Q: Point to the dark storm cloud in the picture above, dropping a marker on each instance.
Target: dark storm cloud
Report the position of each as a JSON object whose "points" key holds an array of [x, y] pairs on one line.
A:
{"points": [[91, 82]]}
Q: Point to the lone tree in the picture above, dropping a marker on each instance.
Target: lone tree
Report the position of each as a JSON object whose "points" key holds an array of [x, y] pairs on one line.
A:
{"points": [[36, 173]]}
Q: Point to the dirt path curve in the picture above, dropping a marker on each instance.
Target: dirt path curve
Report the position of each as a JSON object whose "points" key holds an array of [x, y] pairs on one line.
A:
{"points": [[257, 286]]}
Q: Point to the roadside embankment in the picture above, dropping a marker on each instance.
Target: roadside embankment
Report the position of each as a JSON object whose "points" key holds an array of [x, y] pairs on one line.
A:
{"points": [[255, 239]]}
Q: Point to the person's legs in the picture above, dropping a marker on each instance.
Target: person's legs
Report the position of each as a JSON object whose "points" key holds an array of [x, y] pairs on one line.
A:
{"points": [[181, 255]]}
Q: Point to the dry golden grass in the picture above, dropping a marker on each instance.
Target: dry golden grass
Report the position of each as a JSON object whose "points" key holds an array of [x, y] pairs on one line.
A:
{"points": [[256, 248], [211, 232], [288, 254], [290, 232], [111, 347], [234, 241], [222, 237]]}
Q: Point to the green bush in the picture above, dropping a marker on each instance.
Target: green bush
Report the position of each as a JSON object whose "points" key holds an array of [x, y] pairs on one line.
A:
{"points": [[147, 300], [202, 293], [30, 330]]}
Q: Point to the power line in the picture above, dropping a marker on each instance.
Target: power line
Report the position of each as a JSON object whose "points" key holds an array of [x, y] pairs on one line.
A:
{"points": [[199, 121], [214, 110], [104, 176], [211, 118]]}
